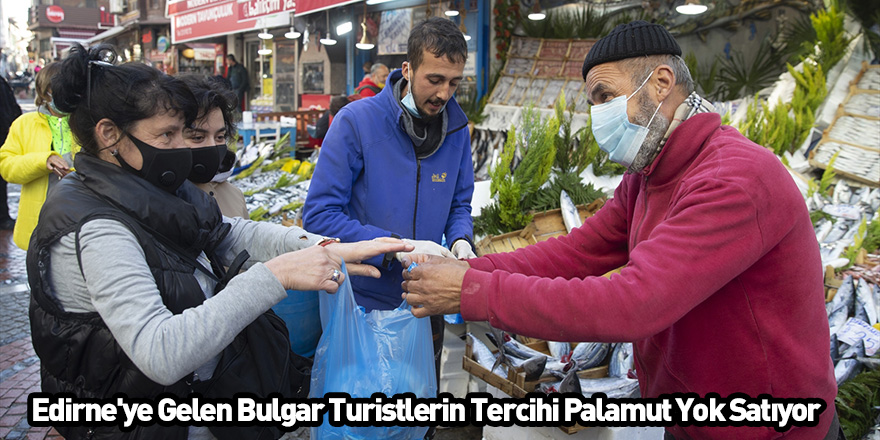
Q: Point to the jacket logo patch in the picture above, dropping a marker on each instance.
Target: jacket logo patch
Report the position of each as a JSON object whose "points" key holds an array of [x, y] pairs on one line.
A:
{"points": [[438, 177]]}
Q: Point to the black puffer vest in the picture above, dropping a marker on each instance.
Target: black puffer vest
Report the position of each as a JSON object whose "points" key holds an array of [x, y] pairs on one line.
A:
{"points": [[79, 355]]}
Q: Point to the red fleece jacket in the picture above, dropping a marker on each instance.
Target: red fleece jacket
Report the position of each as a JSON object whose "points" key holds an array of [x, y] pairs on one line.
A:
{"points": [[721, 289]]}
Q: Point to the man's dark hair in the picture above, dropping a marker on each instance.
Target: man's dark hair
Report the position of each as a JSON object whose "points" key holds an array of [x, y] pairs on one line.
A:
{"points": [[441, 37], [231, 57]]}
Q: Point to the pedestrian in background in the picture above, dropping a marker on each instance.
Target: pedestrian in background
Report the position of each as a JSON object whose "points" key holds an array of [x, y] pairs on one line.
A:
{"points": [[37, 153], [374, 83], [238, 79], [9, 111]]}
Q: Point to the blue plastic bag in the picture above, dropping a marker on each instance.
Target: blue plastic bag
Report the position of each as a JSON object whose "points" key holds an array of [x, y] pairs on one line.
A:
{"points": [[300, 311], [384, 351]]}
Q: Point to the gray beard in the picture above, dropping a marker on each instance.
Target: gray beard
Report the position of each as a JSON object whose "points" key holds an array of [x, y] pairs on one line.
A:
{"points": [[652, 145]]}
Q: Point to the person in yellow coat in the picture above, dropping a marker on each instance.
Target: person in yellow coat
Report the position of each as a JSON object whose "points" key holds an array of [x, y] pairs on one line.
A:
{"points": [[38, 152]]}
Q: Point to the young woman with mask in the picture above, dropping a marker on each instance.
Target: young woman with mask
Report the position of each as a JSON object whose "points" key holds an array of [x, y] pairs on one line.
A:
{"points": [[126, 266], [37, 153], [207, 137]]}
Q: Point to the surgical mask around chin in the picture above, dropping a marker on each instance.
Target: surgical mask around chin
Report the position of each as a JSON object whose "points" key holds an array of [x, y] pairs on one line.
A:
{"points": [[613, 131], [410, 104]]}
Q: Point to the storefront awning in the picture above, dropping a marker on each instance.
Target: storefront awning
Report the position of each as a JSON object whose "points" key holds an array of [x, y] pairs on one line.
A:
{"points": [[304, 7], [109, 33]]}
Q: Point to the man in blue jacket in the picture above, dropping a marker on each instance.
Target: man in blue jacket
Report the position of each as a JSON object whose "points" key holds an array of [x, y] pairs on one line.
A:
{"points": [[399, 164]]}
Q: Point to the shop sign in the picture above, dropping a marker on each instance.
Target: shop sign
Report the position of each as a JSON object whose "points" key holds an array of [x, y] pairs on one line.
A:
{"points": [[55, 14], [258, 8], [204, 54], [173, 7], [162, 44], [308, 6], [129, 17], [221, 19], [147, 37]]}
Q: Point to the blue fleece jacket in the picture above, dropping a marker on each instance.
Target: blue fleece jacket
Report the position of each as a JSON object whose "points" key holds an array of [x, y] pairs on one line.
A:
{"points": [[368, 183]]}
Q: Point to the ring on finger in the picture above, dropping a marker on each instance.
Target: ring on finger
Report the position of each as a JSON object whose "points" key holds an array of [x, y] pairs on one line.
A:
{"points": [[335, 276]]}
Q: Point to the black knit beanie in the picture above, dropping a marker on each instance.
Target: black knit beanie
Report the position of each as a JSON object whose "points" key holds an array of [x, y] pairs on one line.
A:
{"points": [[634, 39]]}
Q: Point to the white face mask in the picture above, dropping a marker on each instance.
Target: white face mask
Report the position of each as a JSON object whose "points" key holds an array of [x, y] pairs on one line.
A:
{"points": [[613, 131], [221, 177]]}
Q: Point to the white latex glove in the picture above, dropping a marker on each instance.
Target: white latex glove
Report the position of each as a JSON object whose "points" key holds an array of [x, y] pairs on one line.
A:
{"points": [[424, 247], [462, 250]]}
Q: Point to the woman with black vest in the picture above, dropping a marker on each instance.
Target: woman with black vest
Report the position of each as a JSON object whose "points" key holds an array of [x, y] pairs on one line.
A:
{"points": [[131, 266]]}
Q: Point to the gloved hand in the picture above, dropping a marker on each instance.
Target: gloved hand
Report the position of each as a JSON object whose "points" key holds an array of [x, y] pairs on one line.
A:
{"points": [[424, 247], [462, 250]]}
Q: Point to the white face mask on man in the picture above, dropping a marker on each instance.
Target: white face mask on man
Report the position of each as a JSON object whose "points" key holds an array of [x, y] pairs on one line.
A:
{"points": [[613, 131]]}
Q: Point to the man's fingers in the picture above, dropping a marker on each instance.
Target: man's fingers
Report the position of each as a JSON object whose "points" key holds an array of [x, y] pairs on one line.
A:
{"points": [[363, 270]]}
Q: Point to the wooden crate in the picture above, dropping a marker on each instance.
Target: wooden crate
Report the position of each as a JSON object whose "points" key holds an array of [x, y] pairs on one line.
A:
{"points": [[515, 385], [543, 226]]}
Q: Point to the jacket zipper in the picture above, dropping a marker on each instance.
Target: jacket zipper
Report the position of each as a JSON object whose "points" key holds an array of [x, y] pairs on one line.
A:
{"points": [[416, 208]]}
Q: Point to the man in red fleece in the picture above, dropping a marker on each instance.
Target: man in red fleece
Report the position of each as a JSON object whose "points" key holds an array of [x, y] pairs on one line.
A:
{"points": [[374, 83], [721, 289]]}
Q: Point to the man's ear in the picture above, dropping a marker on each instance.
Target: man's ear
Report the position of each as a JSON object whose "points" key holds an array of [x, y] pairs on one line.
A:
{"points": [[107, 133], [663, 82]]}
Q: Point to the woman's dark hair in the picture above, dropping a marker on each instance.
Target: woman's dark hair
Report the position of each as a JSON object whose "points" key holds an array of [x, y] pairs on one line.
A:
{"points": [[90, 87], [212, 92], [441, 37]]}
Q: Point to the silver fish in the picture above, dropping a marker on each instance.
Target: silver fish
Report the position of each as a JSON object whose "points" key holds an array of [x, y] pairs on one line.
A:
{"points": [[570, 216], [533, 367], [559, 349], [846, 369], [842, 193], [485, 357], [621, 360], [589, 354], [571, 383], [613, 387], [841, 228], [513, 347], [876, 294], [835, 348], [822, 229], [840, 306], [865, 309]]}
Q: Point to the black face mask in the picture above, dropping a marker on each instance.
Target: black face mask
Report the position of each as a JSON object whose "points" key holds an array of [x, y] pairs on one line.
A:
{"points": [[165, 168], [206, 162]]}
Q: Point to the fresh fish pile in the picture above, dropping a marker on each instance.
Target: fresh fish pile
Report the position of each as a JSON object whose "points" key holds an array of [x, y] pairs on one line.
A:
{"points": [[855, 130], [870, 80], [856, 300], [562, 364], [848, 207], [864, 104], [861, 162], [269, 192]]}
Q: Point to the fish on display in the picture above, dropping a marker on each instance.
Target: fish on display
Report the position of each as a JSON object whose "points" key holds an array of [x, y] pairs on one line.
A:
{"points": [[613, 387], [571, 383], [513, 347], [849, 367], [839, 307], [589, 354], [559, 349], [865, 308], [842, 193], [485, 357], [835, 348], [570, 216], [621, 360], [823, 228]]}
